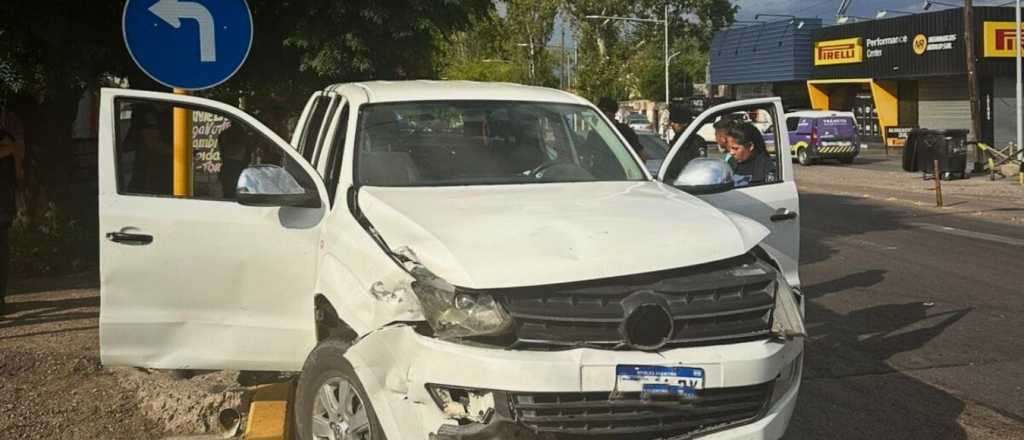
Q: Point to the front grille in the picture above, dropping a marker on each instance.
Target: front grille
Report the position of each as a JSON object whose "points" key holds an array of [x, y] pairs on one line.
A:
{"points": [[722, 302], [595, 416]]}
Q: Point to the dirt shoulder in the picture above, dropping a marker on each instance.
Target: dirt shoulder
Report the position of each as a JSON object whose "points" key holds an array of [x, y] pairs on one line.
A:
{"points": [[52, 384]]}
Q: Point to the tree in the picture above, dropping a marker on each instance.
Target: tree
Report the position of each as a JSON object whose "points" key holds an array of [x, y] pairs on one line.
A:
{"points": [[622, 60], [50, 52], [509, 45]]}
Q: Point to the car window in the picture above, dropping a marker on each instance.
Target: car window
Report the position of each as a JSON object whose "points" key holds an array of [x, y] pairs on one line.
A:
{"points": [[222, 147], [337, 152], [308, 138], [438, 143], [792, 124], [756, 125], [654, 147]]}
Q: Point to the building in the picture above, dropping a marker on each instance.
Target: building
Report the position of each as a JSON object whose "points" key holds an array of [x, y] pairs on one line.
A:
{"points": [[911, 71], [765, 59], [894, 74]]}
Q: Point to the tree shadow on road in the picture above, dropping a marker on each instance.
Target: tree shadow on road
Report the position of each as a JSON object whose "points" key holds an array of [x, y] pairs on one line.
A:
{"points": [[850, 391], [851, 388], [24, 313]]}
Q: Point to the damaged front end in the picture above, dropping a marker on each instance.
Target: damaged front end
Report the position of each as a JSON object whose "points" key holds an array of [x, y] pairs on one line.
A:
{"points": [[481, 415], [451, 312]]}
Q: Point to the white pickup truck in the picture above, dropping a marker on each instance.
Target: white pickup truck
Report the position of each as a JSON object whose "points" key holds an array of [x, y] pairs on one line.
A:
{"points": [[454, 260]]}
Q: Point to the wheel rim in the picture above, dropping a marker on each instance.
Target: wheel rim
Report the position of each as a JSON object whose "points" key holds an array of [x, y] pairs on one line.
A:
{"points": [[802, 155], [339, 412]]}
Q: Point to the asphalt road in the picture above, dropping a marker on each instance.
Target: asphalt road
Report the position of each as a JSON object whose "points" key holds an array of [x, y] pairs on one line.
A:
{"points": [[916, 323]]}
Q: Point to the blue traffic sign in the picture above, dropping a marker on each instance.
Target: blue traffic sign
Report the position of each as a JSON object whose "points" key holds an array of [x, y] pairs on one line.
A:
{"points": [[192, 45]]}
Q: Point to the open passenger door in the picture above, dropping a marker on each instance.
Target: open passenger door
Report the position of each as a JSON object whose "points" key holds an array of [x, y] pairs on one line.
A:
{"points": [[774, 204], [202, 281]]}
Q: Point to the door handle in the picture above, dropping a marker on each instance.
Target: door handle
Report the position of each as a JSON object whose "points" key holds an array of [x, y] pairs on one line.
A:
{"points": [[783, 214], [129, 238]]}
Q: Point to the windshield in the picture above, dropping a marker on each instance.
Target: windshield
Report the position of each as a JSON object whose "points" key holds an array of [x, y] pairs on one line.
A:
{"points": [[654, 147], [441, 143]]}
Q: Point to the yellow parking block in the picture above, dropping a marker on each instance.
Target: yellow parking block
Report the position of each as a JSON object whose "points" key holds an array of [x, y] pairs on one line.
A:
{"points": [[269, 412]]}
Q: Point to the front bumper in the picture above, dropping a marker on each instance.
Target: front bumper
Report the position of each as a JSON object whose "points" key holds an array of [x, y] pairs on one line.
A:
{"points": [[395, 364], [835, 151]]}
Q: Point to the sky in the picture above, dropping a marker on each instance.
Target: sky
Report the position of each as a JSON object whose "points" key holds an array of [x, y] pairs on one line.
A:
{"points": [[824, 9]]}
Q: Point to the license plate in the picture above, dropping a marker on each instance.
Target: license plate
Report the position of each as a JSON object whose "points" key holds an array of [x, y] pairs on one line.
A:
{"points": [[659, 381]]}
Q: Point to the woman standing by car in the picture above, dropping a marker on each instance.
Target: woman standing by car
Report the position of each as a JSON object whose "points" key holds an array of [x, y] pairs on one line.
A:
{"points": [[751, 164]]}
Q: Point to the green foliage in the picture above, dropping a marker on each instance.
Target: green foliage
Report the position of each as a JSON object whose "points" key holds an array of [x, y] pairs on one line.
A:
{"points": [[626, 60], [511, 47]]}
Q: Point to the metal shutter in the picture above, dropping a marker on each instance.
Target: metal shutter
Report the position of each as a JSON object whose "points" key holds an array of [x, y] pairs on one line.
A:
{"points": [[943, 104], [1004, 114]]}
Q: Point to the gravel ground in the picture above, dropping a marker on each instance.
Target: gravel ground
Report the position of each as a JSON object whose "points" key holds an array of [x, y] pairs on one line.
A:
{"points": [[53, 386]]}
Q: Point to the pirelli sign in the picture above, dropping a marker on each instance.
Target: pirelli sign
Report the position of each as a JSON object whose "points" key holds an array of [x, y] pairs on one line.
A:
{"points": [[999, 39], [845, 51]]}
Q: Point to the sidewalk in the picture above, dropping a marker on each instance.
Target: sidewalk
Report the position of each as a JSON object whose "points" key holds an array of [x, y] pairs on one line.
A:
{"points": [[877, 176]]}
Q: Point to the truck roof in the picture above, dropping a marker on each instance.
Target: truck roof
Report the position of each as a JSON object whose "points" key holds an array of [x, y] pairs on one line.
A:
{"points": [[426, 90], [819, 114]]}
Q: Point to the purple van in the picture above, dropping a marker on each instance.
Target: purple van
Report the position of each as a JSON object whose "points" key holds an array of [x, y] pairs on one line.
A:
{"points": [[820, 135]]}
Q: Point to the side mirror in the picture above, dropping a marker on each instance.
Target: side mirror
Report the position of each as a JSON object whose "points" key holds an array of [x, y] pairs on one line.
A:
{"points": [[271, 185], [705, 176]]}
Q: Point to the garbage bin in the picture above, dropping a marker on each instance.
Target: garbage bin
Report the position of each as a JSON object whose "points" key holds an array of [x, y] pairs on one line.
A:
{"points": [[949, 147]]}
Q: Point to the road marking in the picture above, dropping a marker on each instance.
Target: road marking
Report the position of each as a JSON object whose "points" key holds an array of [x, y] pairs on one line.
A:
{"points": [[970, 234]]}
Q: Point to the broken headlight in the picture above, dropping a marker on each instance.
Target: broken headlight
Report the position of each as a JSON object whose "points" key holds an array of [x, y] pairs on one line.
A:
{"points": [[787, 321], [455, 314]]}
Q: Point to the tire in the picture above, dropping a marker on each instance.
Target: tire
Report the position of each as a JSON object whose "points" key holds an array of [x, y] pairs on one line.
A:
{"points": [[803, 158], [327, 374]]}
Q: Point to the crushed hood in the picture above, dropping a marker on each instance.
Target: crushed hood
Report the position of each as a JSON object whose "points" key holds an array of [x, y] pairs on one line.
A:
{"points": [[487, 237]]}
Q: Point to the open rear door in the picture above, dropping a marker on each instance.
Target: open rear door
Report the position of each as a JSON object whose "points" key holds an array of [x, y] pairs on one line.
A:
{"points": [[200, 282], [775, 204]]}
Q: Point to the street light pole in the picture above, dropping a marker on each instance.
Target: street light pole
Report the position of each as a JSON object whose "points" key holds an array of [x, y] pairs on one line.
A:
{"points": [[668, 93], [1020, 88]]}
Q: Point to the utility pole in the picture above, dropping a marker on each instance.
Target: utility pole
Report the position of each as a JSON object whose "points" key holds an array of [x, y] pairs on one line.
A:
{"points": [[668, 95], [565, 65], [972, 84]]}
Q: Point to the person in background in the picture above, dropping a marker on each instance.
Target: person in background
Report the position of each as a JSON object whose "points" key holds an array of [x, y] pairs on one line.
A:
{"points": [[150, 138], [609, 107], [235, 156], [12, 154], [680, 116], [722, 127], [751, 164]]}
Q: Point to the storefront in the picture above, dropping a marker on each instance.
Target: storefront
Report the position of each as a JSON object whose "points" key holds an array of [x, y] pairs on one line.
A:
{"points": [[765, 59], [910, 71]]}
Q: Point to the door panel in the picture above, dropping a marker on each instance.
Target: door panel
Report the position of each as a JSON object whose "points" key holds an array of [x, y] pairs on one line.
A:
{"points": [[220, 285], [775, 205]]}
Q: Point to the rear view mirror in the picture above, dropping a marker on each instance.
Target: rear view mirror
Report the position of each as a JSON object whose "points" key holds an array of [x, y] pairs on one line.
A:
{"points": [[705, 176], [271, 185]]}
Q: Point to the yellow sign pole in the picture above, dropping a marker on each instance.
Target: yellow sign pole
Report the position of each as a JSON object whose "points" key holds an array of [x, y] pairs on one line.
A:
{"points": [[182, 149]]}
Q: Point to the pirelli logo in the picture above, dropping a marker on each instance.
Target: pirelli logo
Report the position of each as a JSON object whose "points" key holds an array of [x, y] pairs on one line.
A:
{"points": [[999, 39], [845, 51]]}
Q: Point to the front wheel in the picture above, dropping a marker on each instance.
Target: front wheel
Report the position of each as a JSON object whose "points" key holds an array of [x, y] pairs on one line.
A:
{"points": [[330, 402], [802, 157]]}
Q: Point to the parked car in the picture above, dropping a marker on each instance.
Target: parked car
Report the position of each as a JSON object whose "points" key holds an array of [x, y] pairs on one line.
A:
{"points": [[638, 121], [822, 135], [457, 260]]}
